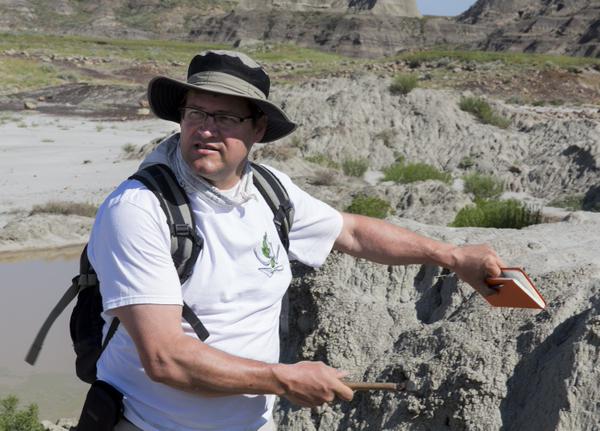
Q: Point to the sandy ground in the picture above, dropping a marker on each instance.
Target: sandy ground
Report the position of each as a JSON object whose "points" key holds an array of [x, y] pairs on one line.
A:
{"points": [[64, 158], [45, 158]]}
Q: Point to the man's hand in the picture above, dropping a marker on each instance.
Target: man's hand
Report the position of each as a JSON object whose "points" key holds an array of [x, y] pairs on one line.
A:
{"points": [[311, 384], [474, 263]]}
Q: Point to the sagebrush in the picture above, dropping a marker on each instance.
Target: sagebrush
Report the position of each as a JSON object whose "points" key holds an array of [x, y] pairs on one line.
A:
{"points": [[66, 208], [403, 84], [403, 173], [501, 214], [369, 206], [13, 419], [483, 186], [355, 167], [483, 111]]}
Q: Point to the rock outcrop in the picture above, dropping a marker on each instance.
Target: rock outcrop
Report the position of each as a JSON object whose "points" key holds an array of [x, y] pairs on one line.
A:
{"points": [[378, 7], [556, 26], [541, 153], [466, 365], [366, 28]]}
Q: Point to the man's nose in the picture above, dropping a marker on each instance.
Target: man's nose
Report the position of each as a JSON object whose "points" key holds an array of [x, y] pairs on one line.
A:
{"points": [[209, 125]]}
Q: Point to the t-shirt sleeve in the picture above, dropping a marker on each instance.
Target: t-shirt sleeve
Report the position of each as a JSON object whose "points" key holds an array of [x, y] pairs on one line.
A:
{"points": [[315, 226], [129, 248]]}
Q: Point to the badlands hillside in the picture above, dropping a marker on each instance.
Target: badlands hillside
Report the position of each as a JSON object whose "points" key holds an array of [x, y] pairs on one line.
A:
{"points": [[464, 364], [365, 28]]}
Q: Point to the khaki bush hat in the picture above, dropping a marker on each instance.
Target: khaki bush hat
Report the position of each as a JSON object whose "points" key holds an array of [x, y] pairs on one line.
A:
{"points": [[223, 72]]}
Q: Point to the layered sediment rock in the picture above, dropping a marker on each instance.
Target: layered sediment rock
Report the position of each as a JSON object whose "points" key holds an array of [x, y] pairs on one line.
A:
{"points": [[465, 365]]}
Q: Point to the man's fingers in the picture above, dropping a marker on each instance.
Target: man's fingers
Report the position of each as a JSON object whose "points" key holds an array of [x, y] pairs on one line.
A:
{"points": [[493, 265], [342, 390], [340, 374], [485, 290]]}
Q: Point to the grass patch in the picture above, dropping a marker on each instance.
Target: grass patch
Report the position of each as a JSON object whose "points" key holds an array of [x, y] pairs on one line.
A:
{"points": [[483, 186], [13, 419], [168, 55], [158, 50], [409, 173], [65, 208], [403, 84], [369, 206], [322, 160], [505, 214], [466, 163], [324, 178], [355, 167], [508, 58], [483, 111], [20, 74], [279, 152], [569, 202]]}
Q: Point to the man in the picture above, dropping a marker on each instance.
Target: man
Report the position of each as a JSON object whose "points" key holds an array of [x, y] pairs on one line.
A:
{"points": [[170, 379]]}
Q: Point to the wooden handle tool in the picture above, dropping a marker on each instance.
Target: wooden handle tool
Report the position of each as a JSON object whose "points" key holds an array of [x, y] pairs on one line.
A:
{"points": [[374, 386]]}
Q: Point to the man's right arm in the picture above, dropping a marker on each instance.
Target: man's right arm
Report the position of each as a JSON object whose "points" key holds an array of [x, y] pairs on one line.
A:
{"points": [[171, 357]]}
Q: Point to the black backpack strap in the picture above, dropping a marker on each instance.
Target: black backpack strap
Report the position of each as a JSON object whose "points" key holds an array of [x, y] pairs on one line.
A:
{"points": [[186, 245], [278, 200], [38, 342]]}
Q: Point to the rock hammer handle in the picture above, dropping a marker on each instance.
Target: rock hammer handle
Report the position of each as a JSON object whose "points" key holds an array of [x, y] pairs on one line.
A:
{"points": [[374, 386]]}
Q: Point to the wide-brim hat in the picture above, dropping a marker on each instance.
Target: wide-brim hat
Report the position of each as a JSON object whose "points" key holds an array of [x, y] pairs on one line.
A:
{"points": [[223, 72]]}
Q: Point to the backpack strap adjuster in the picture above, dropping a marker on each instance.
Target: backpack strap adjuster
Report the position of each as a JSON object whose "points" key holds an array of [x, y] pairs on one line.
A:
{"points": [[183, 230], [86, 280]]}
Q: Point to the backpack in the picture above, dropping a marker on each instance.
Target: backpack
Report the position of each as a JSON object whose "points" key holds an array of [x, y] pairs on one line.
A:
{"points": [[86, 322]]}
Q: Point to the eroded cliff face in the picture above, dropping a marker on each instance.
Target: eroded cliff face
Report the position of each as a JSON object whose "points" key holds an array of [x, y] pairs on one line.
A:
{"points": [[555, 26], [406, 8], [364, 28]]}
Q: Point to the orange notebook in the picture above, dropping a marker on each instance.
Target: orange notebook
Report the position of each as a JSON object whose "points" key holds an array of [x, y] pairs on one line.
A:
{"points": [[515, 289]]}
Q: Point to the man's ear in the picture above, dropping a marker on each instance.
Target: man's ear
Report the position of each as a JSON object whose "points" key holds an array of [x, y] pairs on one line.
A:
{"points": [[260, 128]]}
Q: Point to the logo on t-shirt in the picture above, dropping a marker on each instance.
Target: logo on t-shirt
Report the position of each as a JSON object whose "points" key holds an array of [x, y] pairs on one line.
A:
{"points": [[267, 257]]}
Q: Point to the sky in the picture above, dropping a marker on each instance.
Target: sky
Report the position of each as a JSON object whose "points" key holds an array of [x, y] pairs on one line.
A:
{"points": [[443, 7]]}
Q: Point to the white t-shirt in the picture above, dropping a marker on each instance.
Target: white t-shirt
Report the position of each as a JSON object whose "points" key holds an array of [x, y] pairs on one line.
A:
{"points": [[236, 289]]}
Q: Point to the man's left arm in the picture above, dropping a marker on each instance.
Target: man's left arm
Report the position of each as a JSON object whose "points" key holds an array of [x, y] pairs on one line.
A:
{"points": [[383, 242]]}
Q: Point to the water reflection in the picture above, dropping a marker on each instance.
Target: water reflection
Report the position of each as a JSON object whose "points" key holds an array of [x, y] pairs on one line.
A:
{"points": [[30, 288]]}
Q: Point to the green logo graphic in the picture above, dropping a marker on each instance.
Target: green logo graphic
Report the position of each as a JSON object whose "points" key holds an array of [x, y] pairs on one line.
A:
{"points": [[265, 255]]}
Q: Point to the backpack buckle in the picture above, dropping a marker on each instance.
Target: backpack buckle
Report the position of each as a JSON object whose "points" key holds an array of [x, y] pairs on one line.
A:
{"points": [[182, 230], [186, 231]]}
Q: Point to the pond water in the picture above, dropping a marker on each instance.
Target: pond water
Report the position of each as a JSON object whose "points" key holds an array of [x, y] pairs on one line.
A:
{"points": [[30, 288]]}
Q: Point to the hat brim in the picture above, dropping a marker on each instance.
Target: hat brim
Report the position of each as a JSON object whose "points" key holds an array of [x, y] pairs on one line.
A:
{"points": [[166, 94]]}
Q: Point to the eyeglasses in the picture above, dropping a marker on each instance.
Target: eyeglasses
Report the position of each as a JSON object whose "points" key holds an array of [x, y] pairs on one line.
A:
{"points": [[197, 117]]}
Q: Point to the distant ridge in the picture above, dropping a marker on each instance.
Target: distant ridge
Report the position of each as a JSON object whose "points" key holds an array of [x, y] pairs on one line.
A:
{"points": [[543, 26], [363, 28]]}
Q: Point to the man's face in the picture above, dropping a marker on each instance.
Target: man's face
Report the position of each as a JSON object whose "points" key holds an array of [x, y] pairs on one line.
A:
{"points": [[212, 151]]}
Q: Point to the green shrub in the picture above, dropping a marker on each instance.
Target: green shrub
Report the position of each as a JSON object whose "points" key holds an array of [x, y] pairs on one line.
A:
{"points": [[387, 136], [569, 202], [409, 173], [506, 214], [466, 163], [322, 160], [324, 178], [355, 167], [369, 206], [12, 419], [403, 84], [483, 186], [483, 111], [65, 208], [129, 148]]}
